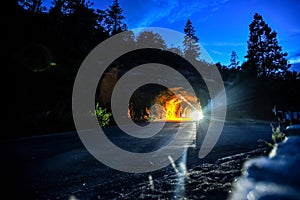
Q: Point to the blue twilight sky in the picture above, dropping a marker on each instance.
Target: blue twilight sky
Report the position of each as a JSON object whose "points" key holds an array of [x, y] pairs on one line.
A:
{"points": [[221, 25]]}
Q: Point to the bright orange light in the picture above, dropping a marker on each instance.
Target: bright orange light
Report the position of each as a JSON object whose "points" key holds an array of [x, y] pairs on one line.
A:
{"points": [[173, 109], [176, 105]]}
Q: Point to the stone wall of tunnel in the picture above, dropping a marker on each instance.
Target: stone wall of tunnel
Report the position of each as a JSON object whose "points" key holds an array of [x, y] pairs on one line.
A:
{"points": [[151, 100]]}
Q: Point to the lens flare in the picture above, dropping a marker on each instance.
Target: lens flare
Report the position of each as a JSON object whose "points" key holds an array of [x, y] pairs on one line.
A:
{"points": [[197, 115]]}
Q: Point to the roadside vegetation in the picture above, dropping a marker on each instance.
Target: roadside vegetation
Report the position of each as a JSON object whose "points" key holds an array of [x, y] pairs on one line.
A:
{"points": [[277, 135], [103, 116]]}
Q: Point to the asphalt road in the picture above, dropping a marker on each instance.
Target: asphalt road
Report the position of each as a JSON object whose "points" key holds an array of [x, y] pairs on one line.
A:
{"points": [[56, 165]]}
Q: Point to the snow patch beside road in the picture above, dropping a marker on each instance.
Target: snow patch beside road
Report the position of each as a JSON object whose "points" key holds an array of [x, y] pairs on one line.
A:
{"points": [[272, 177]]}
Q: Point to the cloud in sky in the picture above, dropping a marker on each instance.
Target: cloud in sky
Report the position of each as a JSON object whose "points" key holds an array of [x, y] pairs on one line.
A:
{"points": [[187, 8], [295, 67], [228, 44], [294, 57], [294, 60], [144, 13], [218, 52]]}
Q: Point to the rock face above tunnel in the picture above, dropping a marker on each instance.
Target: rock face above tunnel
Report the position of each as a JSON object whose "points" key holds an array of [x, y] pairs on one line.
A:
{"points": [[273, 177]]}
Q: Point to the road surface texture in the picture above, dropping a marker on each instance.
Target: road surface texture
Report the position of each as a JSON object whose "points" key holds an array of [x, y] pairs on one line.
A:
{"points": [[58, 166]]}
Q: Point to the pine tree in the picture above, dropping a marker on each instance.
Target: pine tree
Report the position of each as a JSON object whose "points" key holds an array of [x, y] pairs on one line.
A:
{"points": [[234, 63], [265, 56], [190, 42], [114, 18]]}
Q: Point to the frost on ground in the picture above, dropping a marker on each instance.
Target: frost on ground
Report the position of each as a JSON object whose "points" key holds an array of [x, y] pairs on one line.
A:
{"points": [[202, 181]]}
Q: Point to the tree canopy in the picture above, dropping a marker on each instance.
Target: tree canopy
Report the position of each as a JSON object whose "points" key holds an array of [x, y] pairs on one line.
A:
{"points": [[265, 56], [151, 39], [190, 42], [234, 63], [113, 18]]}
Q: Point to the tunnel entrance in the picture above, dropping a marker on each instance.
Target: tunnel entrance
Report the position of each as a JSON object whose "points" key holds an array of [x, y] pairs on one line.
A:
{"points": [[176, 104], [166, 104]]}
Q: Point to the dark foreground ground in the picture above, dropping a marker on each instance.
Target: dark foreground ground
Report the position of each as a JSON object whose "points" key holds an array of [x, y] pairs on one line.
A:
{"points": [[211, 180], [58, 166]]}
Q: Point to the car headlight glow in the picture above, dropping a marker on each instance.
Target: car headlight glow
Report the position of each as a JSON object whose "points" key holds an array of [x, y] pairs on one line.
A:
{"points": [[197, 115]]}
